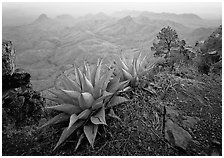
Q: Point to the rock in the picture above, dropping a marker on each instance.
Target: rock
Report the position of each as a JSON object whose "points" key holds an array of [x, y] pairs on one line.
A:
{"points": [[177, 135], [21, 103], [11, 78], [8, 56], [190, 121]]}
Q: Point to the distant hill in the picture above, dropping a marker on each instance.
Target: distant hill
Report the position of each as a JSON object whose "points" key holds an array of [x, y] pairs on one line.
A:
{"points": [[191, 20], [213, 42], [46, 45], [199, 34]]}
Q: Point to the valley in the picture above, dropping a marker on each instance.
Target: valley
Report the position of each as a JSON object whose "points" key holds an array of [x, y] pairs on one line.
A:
{"points": [[48, 46]]}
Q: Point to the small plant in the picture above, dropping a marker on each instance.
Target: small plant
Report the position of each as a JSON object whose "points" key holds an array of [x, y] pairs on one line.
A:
{"points": [[131, 72], [83, 100]]}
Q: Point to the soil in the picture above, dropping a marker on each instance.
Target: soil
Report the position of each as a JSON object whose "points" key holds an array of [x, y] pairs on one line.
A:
{"points": [[138, 131]]}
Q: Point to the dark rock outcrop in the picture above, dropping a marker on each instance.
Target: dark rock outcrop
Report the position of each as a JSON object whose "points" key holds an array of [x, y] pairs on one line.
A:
{"points": [[11, 78], [21, 104], [210, 53]]}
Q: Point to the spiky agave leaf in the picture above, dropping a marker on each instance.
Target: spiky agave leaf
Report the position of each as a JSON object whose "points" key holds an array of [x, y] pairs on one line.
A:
{"points": [[99, 117], [118, 86], [87, 85], [123, 62], [98, 104], [57, 119], [87, 71], [117, 100], [101, 86], [90, 131], [83, 115], [66, 108], [67, 132], [70, 84], [62, 96], [100, 101], [73, 119], [127, 75], [85, 100], [98, 70], [74, 95]]}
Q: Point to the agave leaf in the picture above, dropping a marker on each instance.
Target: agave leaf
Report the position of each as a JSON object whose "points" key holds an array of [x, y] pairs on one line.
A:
{"points": [[79, 141], [73, 119], [123, 62], [55, 99], [87, 71], [72, 94], [102, 84], [85, 100], [57, 119], [126, 74], [143, 62], [113, 82], [87, 85], [135, 67], [138, 61], [96, 92], [63, 82], [80, 77], [107, 79], [61, 95], [97, 104], [67, 132], [112, 114], [76, 75], [116, 100], [98, 70], [99, 117], [93, 74], [72, 85], [66, 108], [90, 131], [105, 95], [119, 86], [84, 114]]}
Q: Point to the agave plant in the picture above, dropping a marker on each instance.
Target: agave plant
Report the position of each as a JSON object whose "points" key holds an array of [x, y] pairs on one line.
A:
{"points": [[82, 100], [132, 71]]}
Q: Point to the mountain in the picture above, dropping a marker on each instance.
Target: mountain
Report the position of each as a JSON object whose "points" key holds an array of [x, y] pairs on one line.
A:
{"points": [[190, 20], [43, 22], [65, 17], [46, 46], [66, 20], [122, 14], [42, 18], [125, 25]]}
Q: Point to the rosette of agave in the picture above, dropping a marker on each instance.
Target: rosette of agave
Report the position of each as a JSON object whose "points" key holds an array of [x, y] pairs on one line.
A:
{"points": [[132, 70], [82, 100]]}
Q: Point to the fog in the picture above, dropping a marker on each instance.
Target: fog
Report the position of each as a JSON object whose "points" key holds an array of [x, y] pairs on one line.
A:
{"points": [[203, 9]]}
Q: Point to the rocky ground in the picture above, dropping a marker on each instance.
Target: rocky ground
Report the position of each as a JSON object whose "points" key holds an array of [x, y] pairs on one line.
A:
{"points": [[170, 115]]}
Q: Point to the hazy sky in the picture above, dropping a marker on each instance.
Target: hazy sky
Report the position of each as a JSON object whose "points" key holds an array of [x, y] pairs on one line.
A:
{"points": [[203, 9]]}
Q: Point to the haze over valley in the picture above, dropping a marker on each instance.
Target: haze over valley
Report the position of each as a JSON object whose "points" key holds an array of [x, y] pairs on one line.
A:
{"points": [[47, 46]]}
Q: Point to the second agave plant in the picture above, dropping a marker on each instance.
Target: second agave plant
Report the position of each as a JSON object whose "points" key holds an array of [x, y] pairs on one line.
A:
{"points": [[82, 101], [131, 71]]}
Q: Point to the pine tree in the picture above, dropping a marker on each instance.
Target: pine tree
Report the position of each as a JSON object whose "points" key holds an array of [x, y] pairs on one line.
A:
{"points": [[167, 40]]}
